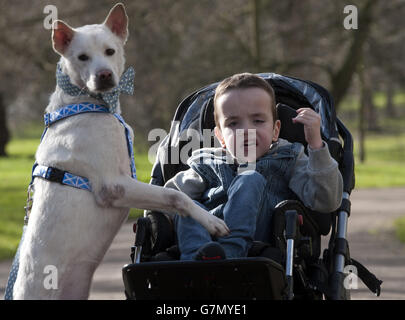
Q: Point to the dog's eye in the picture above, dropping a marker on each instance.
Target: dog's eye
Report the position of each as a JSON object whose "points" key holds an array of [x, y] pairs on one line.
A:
{"points": [[83, 57], [109, 52]]}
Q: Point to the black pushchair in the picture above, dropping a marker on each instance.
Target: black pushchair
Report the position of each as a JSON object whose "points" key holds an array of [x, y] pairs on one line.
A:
{"points": [[291, 265]]}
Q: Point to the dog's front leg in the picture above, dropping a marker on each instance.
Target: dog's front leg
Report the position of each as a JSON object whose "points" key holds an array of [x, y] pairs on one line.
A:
{"points": [[130, 193]]}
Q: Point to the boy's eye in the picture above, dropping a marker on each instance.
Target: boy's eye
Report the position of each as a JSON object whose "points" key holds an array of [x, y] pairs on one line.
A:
{"points": [[83, 57], [258, 121], [232, 124], [109, 52]]}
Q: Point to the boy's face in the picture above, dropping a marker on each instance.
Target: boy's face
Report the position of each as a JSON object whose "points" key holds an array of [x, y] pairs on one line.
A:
{"points": [[246, 128]]}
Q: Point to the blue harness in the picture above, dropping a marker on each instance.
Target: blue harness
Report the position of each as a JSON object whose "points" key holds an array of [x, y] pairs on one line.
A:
{"points": [[67, 178]]}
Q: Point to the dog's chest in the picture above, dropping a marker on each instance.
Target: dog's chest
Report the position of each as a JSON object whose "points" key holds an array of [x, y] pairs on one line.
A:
{"points": [[86, 144]]}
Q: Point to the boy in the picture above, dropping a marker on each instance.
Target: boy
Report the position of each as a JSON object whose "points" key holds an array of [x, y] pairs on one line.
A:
{"points": [[245, 103]]}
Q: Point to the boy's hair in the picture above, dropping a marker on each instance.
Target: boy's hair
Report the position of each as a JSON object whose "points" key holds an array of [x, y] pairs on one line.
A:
{"points": [[243, 81]]}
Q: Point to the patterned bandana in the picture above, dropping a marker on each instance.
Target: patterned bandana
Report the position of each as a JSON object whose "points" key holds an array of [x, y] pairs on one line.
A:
{"points": [[126, 85]]}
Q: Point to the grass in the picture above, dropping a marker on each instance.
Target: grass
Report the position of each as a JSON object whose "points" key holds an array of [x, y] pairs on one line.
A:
{"points": [[385, 153], [349, 113], [399, 226], [15, 175], [385, 149], [384, 164], [14, 179]]}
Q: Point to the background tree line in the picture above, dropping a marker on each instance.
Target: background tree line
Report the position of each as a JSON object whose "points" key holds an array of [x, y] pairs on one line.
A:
{"points": [[179, 46]]}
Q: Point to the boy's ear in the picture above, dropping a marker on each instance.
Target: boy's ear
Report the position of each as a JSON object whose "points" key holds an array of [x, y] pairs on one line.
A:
{"points": [[219, 136], [117, 21], [62, 35], [276, 130]]}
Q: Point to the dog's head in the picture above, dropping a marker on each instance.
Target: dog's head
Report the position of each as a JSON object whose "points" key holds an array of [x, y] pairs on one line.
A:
{"points": [[93, 55]]}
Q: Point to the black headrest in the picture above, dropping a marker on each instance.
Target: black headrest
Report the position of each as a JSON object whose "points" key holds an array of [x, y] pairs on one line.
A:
{"points": [[207, 117], [293, 132]]}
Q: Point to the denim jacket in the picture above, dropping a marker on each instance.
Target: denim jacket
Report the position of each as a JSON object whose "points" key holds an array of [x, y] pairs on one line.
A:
{"points": [[218, 171], [289, 172]]}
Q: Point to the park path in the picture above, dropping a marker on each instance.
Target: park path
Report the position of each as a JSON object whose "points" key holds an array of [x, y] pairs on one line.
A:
{"points": [[370, 234], [372, 240]]}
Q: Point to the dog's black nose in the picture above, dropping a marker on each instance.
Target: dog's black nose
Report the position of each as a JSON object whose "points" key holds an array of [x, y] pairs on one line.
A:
{"points": [[104, 75], [104, 80]]}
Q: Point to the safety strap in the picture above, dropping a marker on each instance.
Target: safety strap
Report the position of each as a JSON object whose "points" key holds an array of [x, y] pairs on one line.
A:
{"points": [[369, 279], [341, 246]]}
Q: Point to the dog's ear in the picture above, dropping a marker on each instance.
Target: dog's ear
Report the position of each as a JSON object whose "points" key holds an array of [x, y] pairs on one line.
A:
{"points": [[117, 21], [62, 36]]}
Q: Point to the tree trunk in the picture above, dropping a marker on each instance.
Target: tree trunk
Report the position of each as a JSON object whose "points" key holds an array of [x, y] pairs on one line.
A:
{"points": [[389, 107], [362, 114], [256, 35], [4, 133], [371, 117], [341, 79]]}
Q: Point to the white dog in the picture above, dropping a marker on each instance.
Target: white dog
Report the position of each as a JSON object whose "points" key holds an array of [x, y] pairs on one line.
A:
{"points": [[70, 229]]}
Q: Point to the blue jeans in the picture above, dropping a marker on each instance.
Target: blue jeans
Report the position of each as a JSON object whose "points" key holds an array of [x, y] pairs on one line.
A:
{"points": [[242, 213]]}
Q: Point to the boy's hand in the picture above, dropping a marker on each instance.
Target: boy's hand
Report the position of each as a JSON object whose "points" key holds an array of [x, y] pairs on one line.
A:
{"points": [[312, 126]]}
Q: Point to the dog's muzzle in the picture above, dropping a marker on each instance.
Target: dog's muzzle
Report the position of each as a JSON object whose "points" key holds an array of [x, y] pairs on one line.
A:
{"points": [[104, 80]]}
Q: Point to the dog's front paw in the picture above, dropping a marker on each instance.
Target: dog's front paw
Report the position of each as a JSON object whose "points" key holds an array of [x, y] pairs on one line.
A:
{"points": [[216, 227]]}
